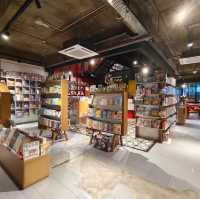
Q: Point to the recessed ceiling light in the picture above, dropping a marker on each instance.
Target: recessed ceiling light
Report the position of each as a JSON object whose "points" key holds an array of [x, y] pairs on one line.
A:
{"points": [[5, 36], [92, 62], [135, 62], [110, 1], [70, 72], [183, 85], [194, 72], [145, 70], [189, 45]]}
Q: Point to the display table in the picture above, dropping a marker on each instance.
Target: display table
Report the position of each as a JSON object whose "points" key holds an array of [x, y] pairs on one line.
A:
{"points": [[24, 173]]}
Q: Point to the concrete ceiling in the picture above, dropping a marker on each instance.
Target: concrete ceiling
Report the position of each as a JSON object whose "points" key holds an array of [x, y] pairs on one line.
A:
{"points": [[171, 23]]}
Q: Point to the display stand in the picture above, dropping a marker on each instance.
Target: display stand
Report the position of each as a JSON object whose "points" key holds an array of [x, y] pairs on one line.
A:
{"points": [[25, 165], [54, 111], [108, 117], [155, 106]]}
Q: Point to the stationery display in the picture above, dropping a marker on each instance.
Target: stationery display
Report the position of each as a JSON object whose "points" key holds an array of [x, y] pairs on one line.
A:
{"points": [[155, 103]]}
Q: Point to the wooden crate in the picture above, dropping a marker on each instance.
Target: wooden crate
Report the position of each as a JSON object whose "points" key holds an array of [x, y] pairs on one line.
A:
{"points": [[24, 173]]}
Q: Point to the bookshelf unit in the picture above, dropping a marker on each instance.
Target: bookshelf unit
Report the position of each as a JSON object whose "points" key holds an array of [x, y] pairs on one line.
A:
{"points": [[54, 107], [25, 93], [107, 118], [155, 104]]}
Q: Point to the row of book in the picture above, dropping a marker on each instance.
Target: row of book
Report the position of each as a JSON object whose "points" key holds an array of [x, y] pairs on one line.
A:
{"points": [[156, 112], [105, 114], [153, 89], [154, 123], [108, 100], [52, 101], [156, 76], [23, 76], [104, 126], [49, 123], [54, 113], [51, 89]]}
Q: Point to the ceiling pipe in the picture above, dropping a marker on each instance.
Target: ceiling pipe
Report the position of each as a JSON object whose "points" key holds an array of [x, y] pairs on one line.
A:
{"points": [[128, 17], [132, 40]]}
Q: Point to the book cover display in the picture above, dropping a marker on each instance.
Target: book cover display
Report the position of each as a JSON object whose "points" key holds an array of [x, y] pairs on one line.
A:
{"points": [[19, 143], [155, 103], [105, 119]]}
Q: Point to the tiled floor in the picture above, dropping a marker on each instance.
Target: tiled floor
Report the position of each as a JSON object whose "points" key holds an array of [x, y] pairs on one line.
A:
{"points": [[175, 165]]}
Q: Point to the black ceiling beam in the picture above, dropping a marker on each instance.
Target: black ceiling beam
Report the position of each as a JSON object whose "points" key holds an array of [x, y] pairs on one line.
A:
{"points": [[19, 12]]}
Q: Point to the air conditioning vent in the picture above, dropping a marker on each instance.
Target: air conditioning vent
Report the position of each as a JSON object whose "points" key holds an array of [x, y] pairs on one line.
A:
{"points": [[78, 52]]}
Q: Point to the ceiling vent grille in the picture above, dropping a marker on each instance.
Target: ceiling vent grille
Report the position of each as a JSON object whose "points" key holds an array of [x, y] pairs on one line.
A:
{"points": [[78, 52]]}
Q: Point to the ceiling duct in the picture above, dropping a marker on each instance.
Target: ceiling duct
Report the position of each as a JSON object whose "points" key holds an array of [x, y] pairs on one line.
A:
{"points": [[128, 17]]}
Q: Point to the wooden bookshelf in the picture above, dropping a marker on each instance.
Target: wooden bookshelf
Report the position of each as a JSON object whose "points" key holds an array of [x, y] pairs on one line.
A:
{"points": [[25, 94], [46, 120], [121, 108], [5, 104]]}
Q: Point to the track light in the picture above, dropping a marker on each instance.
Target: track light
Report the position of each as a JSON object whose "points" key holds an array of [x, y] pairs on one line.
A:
{"points": [[5, 35], [70, 73], [145, 70]]}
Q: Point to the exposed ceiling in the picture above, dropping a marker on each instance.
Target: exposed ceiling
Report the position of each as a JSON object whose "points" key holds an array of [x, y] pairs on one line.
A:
{"points": [[38, 34], [67, 20], [173, 24]]}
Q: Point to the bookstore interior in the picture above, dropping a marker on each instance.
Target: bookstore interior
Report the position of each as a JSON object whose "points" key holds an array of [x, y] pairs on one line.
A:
{"points": [[121, 102]]}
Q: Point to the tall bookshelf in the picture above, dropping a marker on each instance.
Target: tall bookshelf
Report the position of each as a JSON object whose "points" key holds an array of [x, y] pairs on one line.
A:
{"points": [[54, 107], [107, 118], [25, 92], [155, 106]]}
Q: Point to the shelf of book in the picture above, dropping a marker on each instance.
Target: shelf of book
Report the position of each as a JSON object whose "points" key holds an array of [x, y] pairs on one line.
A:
{"points": [[54, 108], [25, 91], [108, 114], [155, 105]]}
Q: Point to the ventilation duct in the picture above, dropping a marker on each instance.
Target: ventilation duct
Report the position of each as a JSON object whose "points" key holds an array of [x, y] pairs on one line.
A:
{"points": [[129, 18]]}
